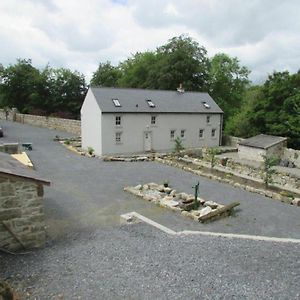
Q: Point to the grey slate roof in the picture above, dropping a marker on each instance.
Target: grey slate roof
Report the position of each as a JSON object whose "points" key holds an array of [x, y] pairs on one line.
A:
{"points": [[12, 167], [134, 101], [262, 141]]}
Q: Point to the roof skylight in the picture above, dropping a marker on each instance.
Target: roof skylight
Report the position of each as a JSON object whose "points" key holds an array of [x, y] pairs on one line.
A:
{"points": [[150, 103], [116, 102], [205, 104]]}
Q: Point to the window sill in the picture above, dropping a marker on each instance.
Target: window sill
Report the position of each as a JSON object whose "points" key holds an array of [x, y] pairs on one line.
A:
{"points": [[119, 143], [118, 126]]}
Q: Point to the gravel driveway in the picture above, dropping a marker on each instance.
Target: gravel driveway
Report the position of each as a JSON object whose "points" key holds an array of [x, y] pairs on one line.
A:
{"points": [[89, 255]]}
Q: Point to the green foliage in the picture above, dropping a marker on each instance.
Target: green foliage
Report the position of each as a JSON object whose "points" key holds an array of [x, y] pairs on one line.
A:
{"points": [[106, 75], [228, 82], [166, 183], [212, 152], [178, 145], [273, 108], [242, 123], [182, 60], [268, 164], [90, 150], [46, 91]]}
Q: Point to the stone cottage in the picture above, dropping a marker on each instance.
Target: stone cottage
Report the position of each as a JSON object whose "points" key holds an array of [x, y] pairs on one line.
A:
{"points": [[21, 209], [255, 148]]}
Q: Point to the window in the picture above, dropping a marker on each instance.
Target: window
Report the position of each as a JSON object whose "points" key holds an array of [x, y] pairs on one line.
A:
{"points": [[205, 104], [207, 119], [116, 102], [182, 133], [150, 103], [153, 120], [213, 132], [201, 133], [172, 134], [118, 120], [118, 137]]}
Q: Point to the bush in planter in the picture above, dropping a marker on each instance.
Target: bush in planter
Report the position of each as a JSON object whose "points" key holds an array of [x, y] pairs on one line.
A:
{"points": [[90, 150]]}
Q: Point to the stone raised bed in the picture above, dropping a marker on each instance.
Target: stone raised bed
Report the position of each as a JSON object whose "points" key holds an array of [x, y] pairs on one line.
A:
{"points": [[182, 202]]}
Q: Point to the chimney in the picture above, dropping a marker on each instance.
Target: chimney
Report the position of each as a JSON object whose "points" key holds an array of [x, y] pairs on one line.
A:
{"points": [[180, 89]]}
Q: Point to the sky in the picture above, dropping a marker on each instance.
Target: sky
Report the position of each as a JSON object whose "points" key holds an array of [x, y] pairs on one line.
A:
{"points": [[263, 34]]}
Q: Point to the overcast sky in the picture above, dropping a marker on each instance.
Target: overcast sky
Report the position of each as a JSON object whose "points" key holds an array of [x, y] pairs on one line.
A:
{"points": [[263, 34]]}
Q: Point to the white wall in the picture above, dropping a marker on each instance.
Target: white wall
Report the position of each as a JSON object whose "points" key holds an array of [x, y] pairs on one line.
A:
{"points": [[256, 154], [91, 124], [133, 127], [251, 153], [292, 155], [277, 150]]}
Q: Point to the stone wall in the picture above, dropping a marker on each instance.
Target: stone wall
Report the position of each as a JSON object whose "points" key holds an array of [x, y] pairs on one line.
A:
{"points": [[232, 141], [21, 214], [292, 155], [68, 125]]}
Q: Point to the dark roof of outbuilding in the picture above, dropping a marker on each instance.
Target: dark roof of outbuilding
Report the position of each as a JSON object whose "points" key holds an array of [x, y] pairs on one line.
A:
{"points": [[135, 101], [262, 141], [13, 168]]}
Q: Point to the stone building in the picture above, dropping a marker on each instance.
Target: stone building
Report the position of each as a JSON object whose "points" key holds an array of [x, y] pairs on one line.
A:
{"points": [[255, 148], [21, 208]]}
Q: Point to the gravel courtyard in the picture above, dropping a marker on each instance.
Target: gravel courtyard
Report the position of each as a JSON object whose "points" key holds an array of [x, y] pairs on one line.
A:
{"points": [[90, 256]]}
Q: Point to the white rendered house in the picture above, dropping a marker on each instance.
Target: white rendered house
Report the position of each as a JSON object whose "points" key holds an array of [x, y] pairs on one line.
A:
{"points": [[124, 121]]}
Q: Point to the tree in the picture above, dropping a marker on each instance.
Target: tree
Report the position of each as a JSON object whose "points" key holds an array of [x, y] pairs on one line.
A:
{"points": [[19, 84], [182, 60], [242, 123], [106, 75], [68, 91], [44, 92], [139, 71], [273, 108], [228, 83]]}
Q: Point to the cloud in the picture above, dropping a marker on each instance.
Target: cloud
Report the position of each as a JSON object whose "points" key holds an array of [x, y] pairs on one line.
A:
{"points": [[264, 35]]}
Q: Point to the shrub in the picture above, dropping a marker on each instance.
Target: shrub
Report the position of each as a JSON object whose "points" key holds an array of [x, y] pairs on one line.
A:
{"points": [[269, 163], [178, 145], [90, 150]]}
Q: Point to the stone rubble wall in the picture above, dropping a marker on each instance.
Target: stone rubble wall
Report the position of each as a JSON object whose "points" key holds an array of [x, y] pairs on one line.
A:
{"points": [[292, 155], [289, 181], [228, 179], [68, 125], [232, 141], [21, 212]]}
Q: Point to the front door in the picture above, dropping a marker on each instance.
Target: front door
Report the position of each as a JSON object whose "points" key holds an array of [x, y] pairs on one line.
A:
{"points": [[147, 140]]}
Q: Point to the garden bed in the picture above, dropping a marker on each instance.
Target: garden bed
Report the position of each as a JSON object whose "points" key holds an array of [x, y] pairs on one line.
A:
{"points": [[199, 209]]}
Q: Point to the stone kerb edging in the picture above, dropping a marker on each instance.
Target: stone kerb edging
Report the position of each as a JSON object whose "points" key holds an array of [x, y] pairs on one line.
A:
{"points": [[181, 202], [266, 193]]}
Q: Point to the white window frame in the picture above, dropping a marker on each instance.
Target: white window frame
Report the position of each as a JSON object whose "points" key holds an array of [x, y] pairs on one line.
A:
{"points": [[213, 133], [182, 133], [118, 137], [201, 133], [172, 134], [208, 119], [153, 120], [118, 120]]}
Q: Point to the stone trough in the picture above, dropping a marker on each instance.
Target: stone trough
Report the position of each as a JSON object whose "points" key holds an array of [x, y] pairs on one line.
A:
{"points": [[200, 210]]}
